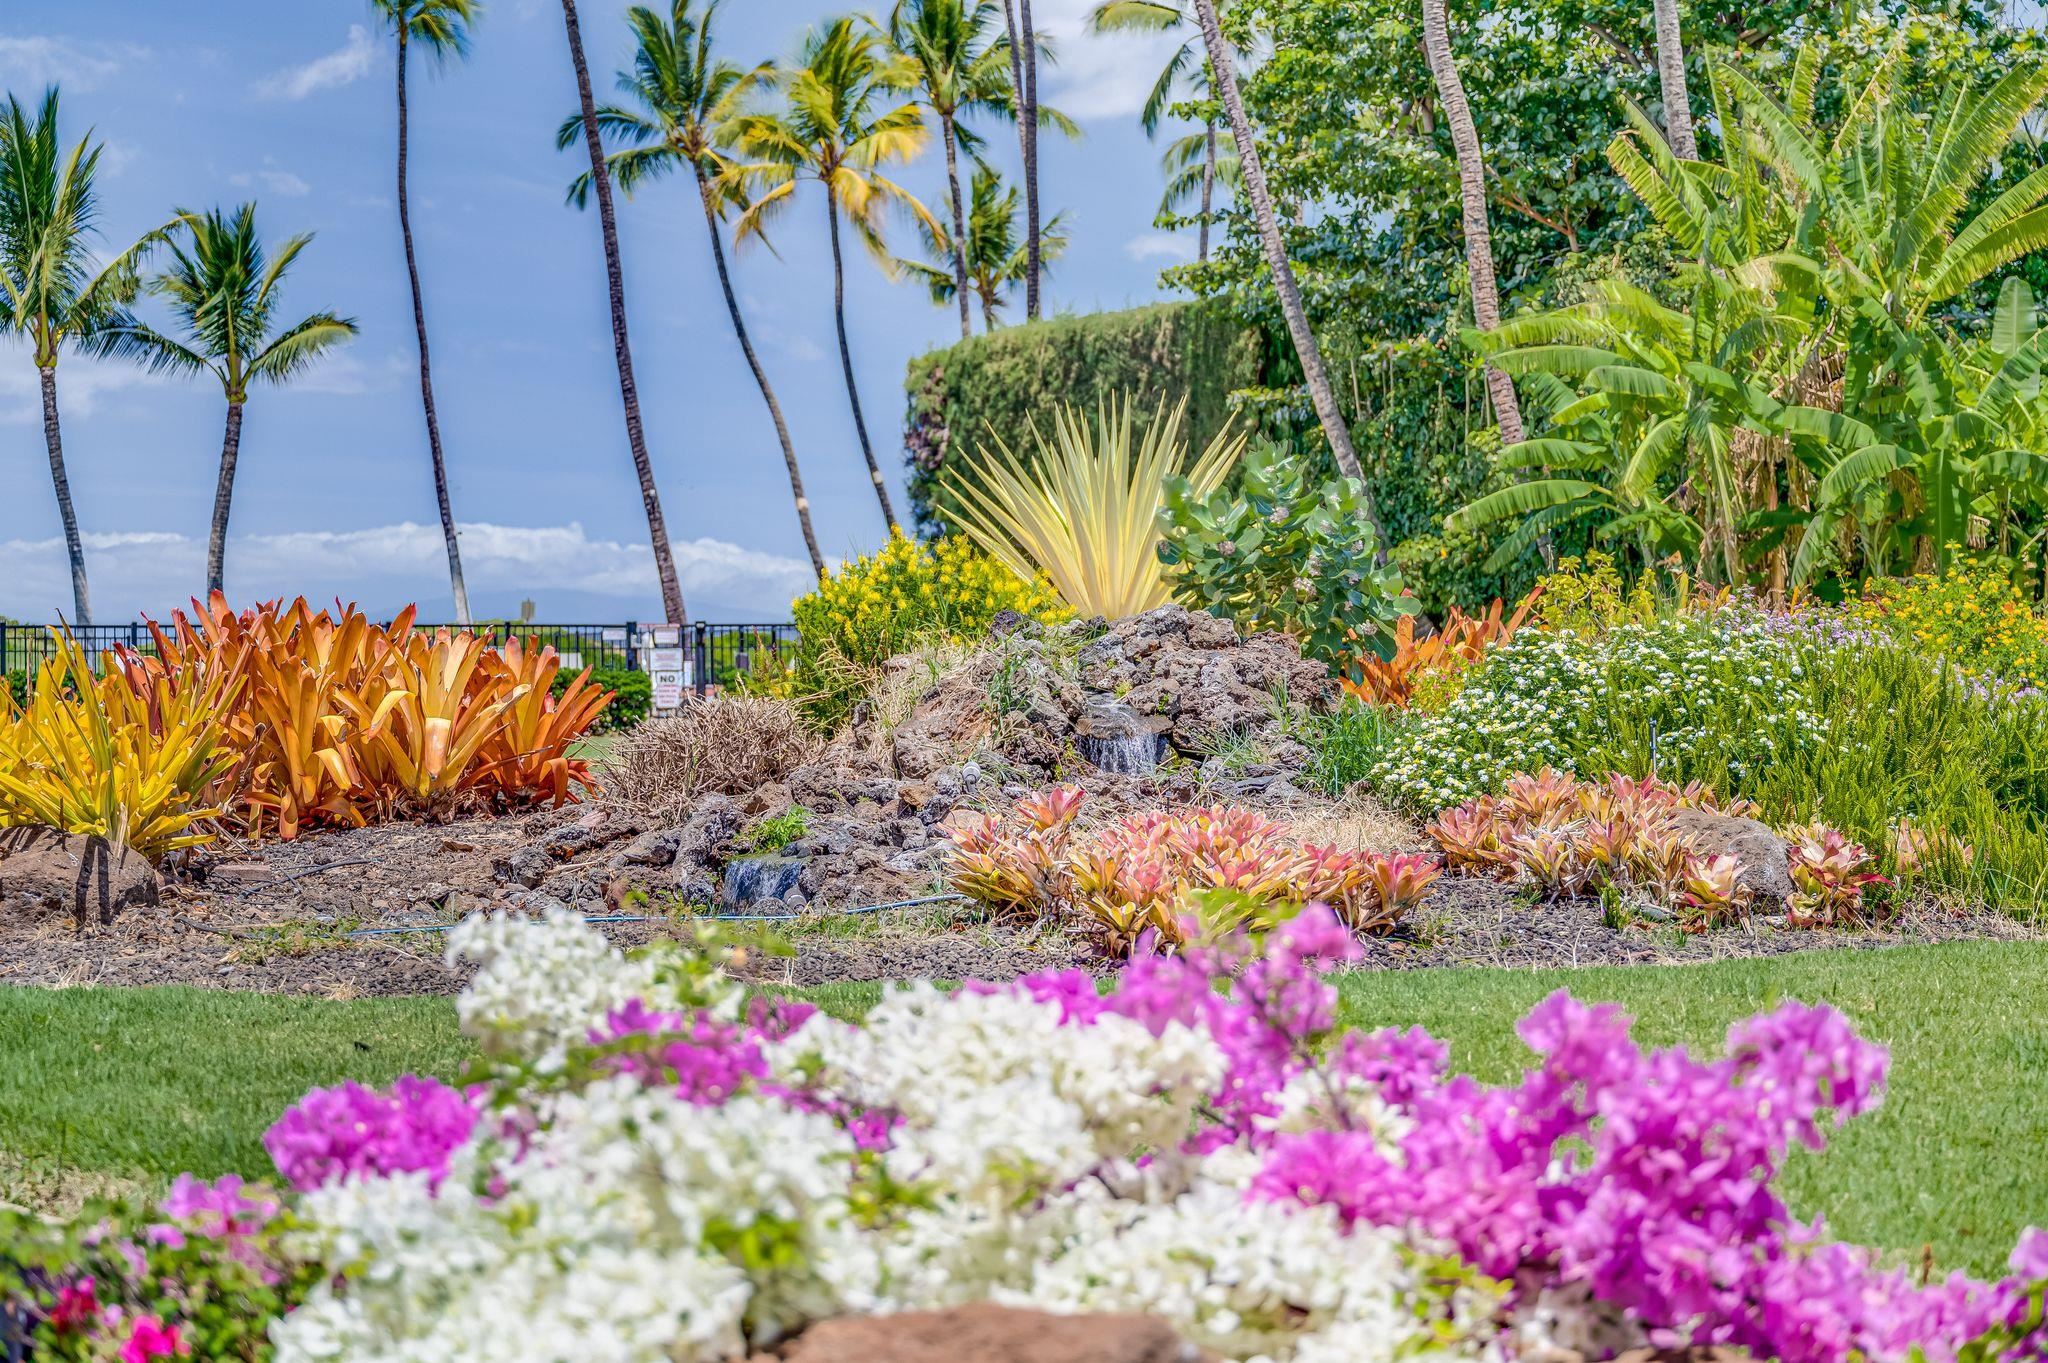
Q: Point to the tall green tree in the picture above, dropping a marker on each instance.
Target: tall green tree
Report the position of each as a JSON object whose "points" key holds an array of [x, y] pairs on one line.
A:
{"points": [[832, 130], [52, 292], [441, 27], [995, 255], [224, 287], [1335, 430], [685, 100], [959, 66], [622, 346]]}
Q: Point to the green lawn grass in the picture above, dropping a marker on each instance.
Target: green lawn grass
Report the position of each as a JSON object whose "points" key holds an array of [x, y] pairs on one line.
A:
{"points": [[141, 1084], [595, 748]]}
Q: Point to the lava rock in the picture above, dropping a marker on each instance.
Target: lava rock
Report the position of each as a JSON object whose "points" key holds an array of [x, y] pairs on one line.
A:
{"points": [[714, 824], [654, 848], [526, 866], [1765, 871]]}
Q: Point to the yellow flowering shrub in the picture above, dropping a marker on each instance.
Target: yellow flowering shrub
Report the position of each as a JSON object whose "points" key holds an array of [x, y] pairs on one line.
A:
{"points": [[1973, 615], [882, 604], [1589, 595]]}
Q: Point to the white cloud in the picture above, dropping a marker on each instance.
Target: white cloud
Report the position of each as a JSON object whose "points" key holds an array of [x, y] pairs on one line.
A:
{"points": [[1098, 75], [280, 182], [382, 567], [29, 61], [343, 374], [82, 384], [343, 66], [1159, 246]]}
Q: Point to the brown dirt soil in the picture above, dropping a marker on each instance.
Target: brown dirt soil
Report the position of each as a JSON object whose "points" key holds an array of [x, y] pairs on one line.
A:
{"points": [[275, 918]]}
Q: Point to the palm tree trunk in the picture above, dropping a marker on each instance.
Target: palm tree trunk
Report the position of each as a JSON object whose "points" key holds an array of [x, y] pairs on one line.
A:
{"points": [[959, 225], [1436, 42], [988, 313], [81, 598], [1224, 75], [223, 496], [629, 393], [1034, 259], [860, 424], [1208, 190], [1671, 76], [456, 584], [739, 329]]}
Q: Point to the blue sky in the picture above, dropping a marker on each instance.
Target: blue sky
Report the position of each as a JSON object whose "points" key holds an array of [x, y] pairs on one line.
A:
{"points": [[292, 105]]}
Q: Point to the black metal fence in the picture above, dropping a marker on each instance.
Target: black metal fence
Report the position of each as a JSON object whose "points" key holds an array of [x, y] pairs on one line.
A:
{"points": [[24, 647], [713, 656]]}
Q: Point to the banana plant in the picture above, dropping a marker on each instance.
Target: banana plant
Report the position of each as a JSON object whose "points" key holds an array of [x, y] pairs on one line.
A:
{"points": [[1946, 432], [1646, 400]]}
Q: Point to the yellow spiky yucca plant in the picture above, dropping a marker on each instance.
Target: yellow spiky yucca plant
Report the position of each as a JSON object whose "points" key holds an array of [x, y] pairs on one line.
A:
{"points": [[1085, 512], [96, 755]]}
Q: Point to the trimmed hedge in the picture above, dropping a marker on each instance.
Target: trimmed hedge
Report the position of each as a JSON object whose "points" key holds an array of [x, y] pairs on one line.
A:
{"points": [[1004, 379], [1407, 402]]}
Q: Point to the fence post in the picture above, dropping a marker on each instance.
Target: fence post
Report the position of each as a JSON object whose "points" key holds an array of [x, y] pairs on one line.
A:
{"points": [[632, 646], [703, 659]]}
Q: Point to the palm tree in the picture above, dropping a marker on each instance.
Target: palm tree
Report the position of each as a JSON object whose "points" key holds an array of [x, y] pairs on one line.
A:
{"points": [[442, 28], [1436, 42], [223, 288], [622, 349], [1671, 77], [994, 256], [957, 68], [828, 131], [1023, 52], [1224, 81], [1186, 73], [50, 293], [1194, 167], [687, 100]]}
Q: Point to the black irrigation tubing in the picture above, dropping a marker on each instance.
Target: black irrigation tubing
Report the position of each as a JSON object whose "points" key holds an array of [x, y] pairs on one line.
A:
{"points": [[623, 918], [290, 877]]}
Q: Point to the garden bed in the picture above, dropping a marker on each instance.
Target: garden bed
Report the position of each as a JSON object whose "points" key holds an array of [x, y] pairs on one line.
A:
{"points": [[278, 917]]}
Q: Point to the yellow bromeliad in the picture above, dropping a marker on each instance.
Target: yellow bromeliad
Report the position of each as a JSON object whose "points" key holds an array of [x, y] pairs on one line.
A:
{"points": [[99, 756]]}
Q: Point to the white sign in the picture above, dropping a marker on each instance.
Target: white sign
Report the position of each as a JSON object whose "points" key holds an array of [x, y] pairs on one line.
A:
{"points": [[612, 635], [665, 636], [671, 675]]}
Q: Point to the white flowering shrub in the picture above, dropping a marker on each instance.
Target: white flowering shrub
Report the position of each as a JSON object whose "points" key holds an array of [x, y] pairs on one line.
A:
{"points": [[1695, 695], [665, 1179]]}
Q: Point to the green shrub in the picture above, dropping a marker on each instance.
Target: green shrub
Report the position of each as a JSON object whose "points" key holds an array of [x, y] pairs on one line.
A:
{"points": [[878, 606], [632, 703], [1284, 553], [1151, 357], [1945, 781], [17, 685]]}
